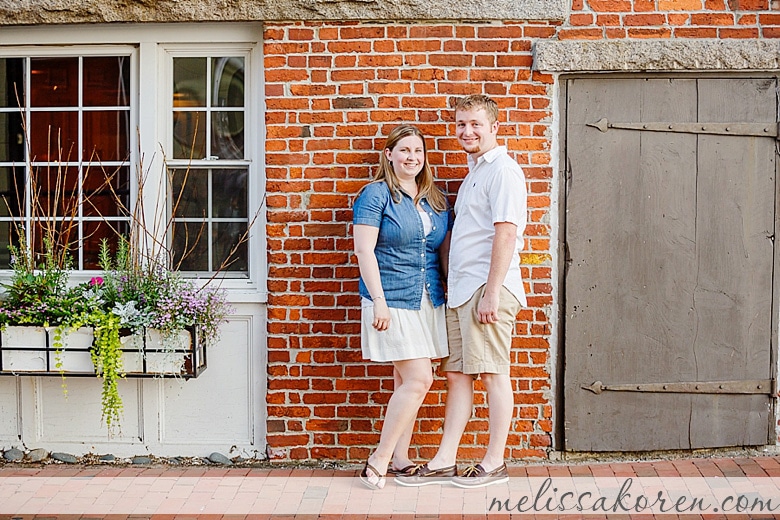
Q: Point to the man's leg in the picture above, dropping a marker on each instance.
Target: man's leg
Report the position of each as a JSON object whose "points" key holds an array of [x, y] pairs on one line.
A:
{"points": [[496, 343], [457, 412], [501, 406]]}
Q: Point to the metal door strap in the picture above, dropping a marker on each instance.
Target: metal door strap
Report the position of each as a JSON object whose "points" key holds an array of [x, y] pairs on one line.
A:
{"points": [[756, 386], [739, 129]]}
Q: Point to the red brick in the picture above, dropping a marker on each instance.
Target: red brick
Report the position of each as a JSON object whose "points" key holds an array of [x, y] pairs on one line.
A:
{"points": [[580, 34], [677, 19], [712, 19], [679, 5], [361, 33], [695, 32], [644, 19], [649, 33], [487, 46], [644, 6], [437, 31], [581, 19], [769, 19], [749, 5], [751, 32], [538, 32], [610, 5]]}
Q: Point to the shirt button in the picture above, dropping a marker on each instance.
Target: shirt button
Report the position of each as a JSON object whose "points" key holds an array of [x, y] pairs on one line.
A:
{"points": [[434, 227], [422, 254], [423, 240], [422, 270]]}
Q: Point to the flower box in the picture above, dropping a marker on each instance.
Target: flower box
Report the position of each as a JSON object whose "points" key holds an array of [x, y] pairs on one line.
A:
{"points": [[33, 351]]}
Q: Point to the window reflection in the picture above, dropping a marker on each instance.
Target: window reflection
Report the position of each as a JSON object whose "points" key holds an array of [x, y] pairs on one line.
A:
{"points": [[77, 172], [107, 81], [12, 82], [208, 117], [54, 82]]}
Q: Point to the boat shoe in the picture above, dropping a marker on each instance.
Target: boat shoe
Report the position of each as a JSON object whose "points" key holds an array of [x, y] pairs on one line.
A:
{"points": [[422, 476], [476, 476]]}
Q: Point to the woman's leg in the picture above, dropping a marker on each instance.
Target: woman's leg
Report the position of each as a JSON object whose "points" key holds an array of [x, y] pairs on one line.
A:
{"points": [[416, 379], [401, 458]]}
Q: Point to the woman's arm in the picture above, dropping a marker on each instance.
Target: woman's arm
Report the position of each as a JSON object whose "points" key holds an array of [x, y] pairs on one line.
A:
{"points": [[365, 242], [444, 255]]}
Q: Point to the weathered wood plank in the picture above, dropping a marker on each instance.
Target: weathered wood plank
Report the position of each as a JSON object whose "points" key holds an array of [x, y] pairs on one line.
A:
{"points": [[645, 230]]}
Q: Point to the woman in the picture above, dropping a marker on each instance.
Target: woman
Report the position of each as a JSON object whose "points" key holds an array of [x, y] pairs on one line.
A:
{"points": [[401, 227]]}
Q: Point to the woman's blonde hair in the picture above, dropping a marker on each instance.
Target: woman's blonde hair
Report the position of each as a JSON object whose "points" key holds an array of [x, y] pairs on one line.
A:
{"points": [[425, 186]]}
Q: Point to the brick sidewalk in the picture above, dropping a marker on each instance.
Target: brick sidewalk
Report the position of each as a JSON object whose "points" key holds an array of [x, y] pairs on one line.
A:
{"points": [[116, 492]]}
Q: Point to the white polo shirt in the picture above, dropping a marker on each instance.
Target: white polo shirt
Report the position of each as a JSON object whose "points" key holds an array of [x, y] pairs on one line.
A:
{"points": [[493, 191]]}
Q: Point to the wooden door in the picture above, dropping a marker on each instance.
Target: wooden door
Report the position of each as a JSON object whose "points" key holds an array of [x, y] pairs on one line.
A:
{"points": [[669, 267]]}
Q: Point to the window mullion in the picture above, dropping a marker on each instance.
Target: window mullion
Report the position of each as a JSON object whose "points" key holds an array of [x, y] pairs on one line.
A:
{"points": [[80, 158], [27, 221]]}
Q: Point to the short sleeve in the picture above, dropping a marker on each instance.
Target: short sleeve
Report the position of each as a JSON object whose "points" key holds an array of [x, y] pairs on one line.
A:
{"points": [[509, 197], [370, 205]]}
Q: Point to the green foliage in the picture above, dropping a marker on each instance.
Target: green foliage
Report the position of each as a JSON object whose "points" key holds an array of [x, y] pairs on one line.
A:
{"points": [[127, 295]]}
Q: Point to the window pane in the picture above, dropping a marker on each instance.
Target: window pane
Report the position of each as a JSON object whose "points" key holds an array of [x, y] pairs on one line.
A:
{"points": [[227, 135], [11, 137], [190, 246], [106, 136], [11, 82], [54, 82], [5, 241], [62, 234], [106, 192], [228, 82], [54, 136], [189, 82], [226, 236], [190, 193], [107, 81], [55, 191], [95, 233], [189, 135], [11, 191], [229, 189]]}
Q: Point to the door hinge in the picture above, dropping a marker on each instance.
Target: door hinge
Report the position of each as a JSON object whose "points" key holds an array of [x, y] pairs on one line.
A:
{"points": [[756, 386], [737, 129]]}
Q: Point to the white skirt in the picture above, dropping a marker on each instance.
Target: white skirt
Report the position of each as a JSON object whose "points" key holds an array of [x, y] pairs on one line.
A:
{"points": [[410, 335]]}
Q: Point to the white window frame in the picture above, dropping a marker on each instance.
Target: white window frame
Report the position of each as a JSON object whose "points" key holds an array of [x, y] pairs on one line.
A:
{"points": [[82, 51], [190, 51], [153, 46]]}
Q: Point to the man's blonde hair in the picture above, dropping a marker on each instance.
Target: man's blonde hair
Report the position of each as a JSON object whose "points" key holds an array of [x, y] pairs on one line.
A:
{"points": [[477, 101]]}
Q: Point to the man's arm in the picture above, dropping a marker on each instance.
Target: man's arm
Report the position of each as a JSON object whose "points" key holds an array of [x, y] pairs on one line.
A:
{"points": [[501, 256]]}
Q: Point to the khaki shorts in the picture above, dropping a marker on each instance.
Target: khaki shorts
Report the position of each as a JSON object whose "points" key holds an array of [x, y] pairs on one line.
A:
{"points": [[480, 348]]}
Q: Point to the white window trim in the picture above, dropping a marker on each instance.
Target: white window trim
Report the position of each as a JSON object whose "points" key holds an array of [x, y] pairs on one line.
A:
{"points": [[153, 44]]}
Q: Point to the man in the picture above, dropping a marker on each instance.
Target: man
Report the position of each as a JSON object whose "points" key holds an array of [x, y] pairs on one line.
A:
{"points": [[485, 294]]}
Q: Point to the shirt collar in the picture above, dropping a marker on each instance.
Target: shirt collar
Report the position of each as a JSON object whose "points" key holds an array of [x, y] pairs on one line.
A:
{"points": [[488, 156]]}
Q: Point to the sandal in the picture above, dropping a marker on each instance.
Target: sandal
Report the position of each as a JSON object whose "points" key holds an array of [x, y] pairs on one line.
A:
{"points": [[365, 480], [406, 470]]}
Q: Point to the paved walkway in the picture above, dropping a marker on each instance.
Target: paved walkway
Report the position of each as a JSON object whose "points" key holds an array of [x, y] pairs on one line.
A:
{"points": [[711, 487]]}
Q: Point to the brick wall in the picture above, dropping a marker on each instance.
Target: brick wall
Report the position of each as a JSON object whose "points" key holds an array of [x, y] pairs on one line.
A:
{"points": [[333, 92], [597, 19]]}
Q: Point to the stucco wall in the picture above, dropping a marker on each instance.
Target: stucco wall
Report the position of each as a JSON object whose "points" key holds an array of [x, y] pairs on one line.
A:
{"points": [[25, 12]]}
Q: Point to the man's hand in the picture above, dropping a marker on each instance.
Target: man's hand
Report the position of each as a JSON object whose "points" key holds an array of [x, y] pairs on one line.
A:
{"points": [[487, 310]]}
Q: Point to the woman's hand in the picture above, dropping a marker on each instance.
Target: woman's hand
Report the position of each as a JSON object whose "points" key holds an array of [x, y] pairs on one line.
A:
{"points": [[381, 315]]}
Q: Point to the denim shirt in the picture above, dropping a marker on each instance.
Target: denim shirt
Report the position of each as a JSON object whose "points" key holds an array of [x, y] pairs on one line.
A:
{"points": [[407, 259]]}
